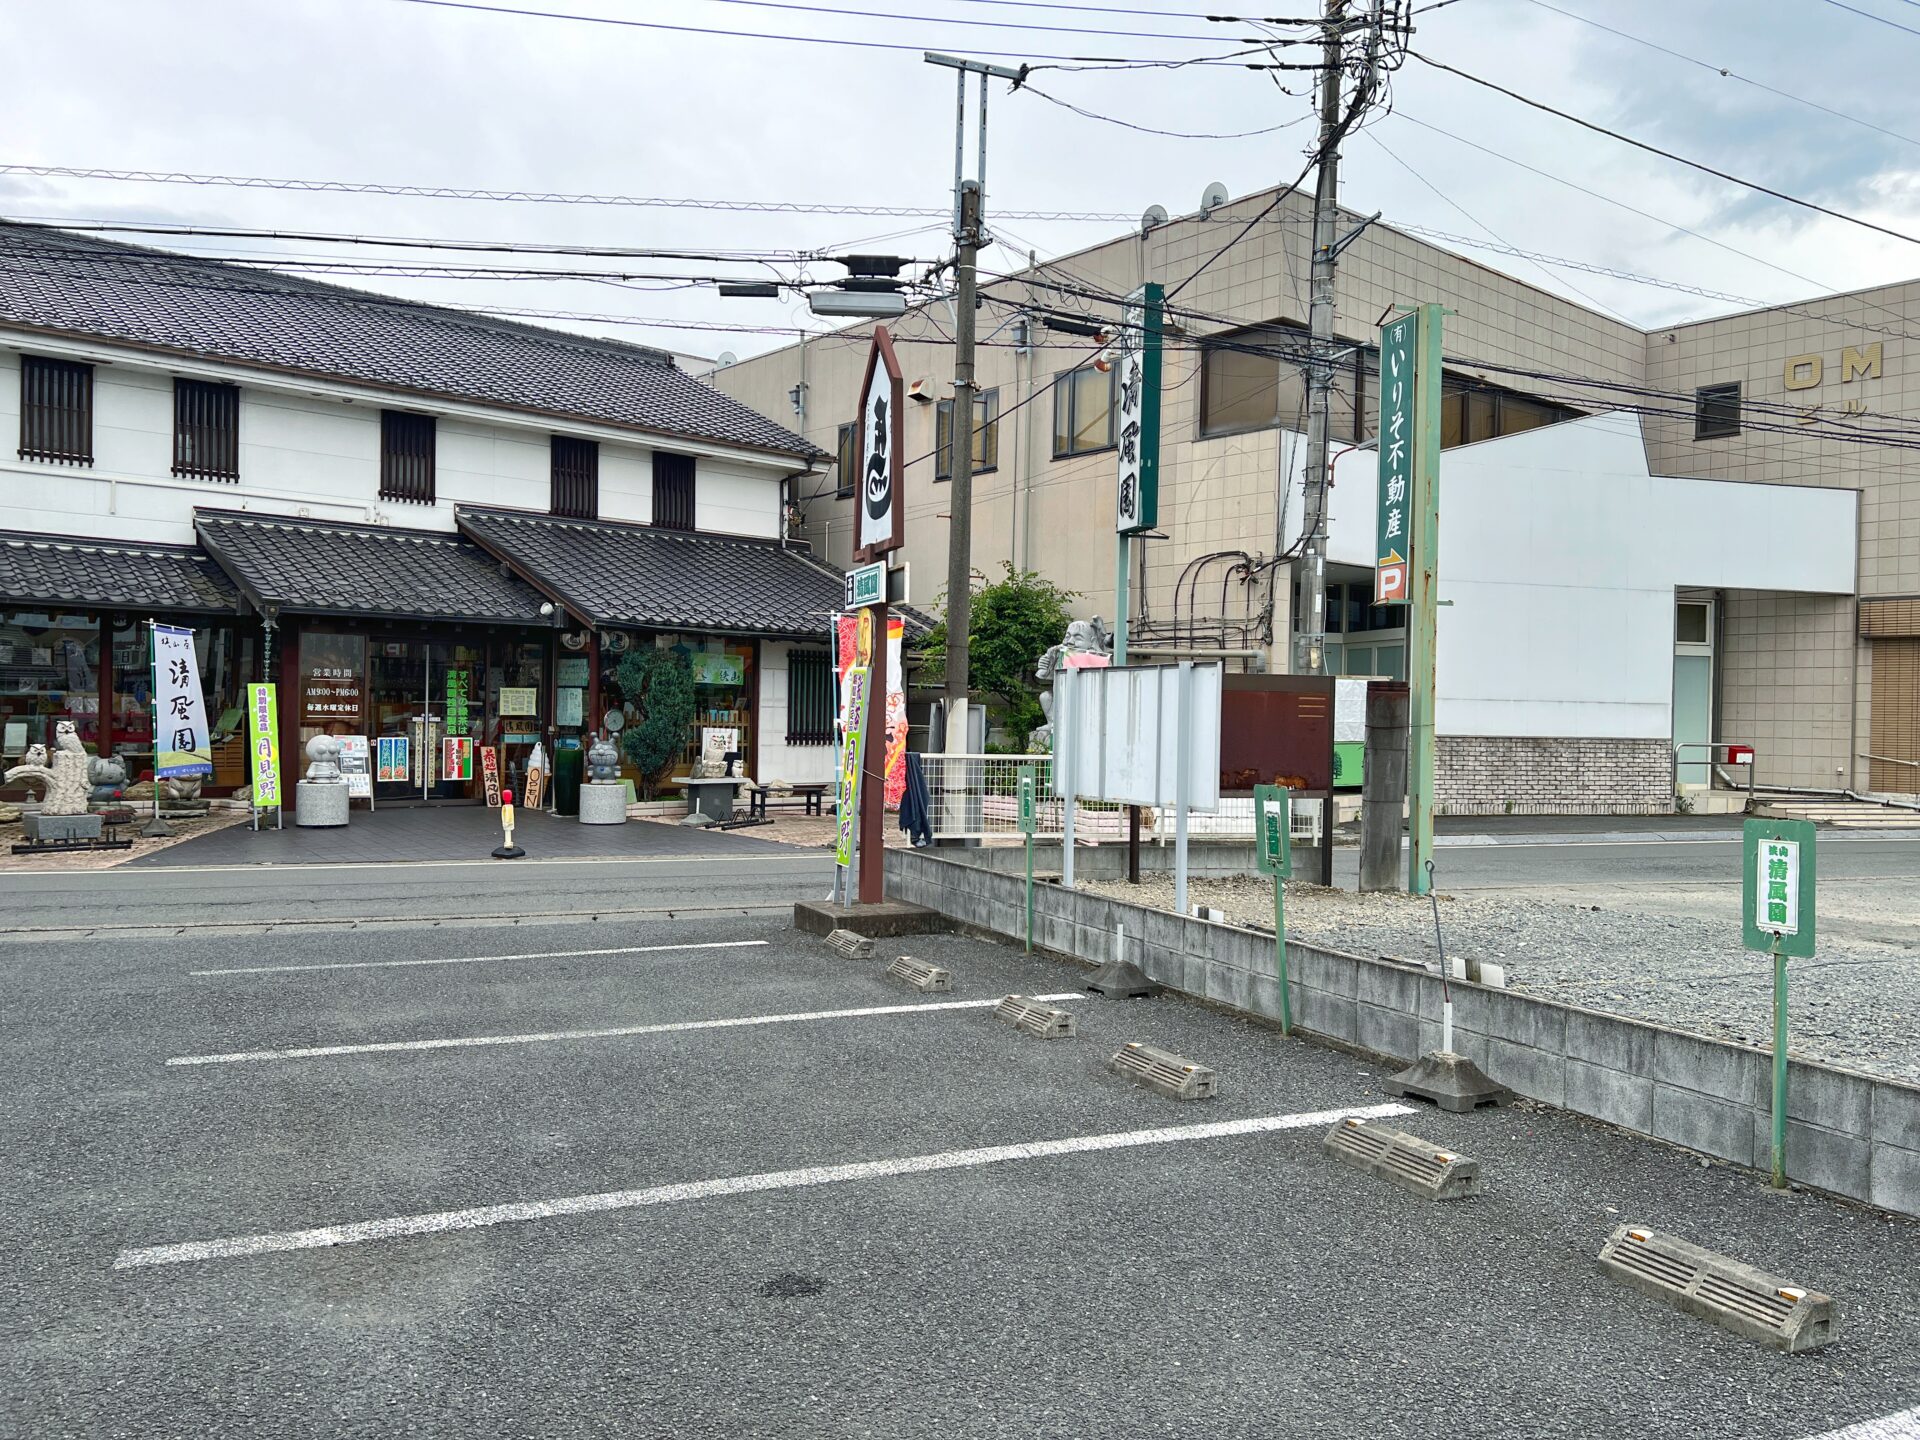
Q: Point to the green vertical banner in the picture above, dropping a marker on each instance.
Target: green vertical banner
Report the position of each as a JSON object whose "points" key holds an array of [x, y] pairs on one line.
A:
{"points": [[853, 751], [1137, 426], [1399, 343], [263, 745]]}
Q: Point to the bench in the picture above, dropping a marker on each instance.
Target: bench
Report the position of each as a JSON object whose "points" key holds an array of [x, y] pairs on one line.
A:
{"points": [[811, 797]]}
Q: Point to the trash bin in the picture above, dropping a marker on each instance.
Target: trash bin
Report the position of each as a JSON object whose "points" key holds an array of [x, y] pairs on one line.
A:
{"points": [[569, 766]]}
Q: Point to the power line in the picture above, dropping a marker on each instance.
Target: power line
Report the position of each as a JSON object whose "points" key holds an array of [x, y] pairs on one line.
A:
{"points": [[1699, 165], [1868, 14], [956, 20], [1027, 89]]}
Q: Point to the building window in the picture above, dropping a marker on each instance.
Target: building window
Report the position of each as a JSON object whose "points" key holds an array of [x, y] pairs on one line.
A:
{"points": [[1471, 412], [809, 698], [56, 410], [986, 435], [1082, 412], [1716, 411], [844, 461], [406, 457], [576, 478], [206, 430], [672, 491], [1256, 379]]}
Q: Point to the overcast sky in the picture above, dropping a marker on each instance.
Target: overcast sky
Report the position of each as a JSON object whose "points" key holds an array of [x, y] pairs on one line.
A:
{"points": [[399, 92]]}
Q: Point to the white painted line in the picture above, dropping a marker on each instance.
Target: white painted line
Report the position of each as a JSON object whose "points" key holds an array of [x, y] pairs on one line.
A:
{"points": [[1904, 1426], [483, 959], [315, 1052], [440, 1221]]}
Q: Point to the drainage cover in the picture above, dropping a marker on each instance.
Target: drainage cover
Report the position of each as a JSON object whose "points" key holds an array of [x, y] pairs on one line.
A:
{"points": [[1746, 1301], [1046, 1021], [847, 943], [1407, 1160], [1164, 1071], [919, 974]]}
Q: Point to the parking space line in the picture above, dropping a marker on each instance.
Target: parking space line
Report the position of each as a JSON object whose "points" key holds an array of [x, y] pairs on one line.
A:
{"points": [[440, 1221], [482, 959], [1904, 1426], [316, 1052]]}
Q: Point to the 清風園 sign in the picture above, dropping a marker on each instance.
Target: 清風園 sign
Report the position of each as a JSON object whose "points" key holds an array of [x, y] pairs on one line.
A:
{"points": [[1137, 426], [181, 743], [1399, 342], [1777, 886]]}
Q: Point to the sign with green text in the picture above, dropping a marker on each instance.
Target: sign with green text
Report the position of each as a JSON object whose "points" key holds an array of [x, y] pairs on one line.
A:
{"points": [[1777, 886], [1029, 815], [1137, 421], [1273, 829], [1399, 341]]}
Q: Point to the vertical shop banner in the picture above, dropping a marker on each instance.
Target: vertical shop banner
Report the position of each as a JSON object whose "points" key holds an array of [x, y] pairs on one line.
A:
{"points": [[1399, 341], [1138, 422], [263, 744], [490, 774], [853, 723], [846, 644], [181, 742], [536, 782], [393, 760], [880, 511]]}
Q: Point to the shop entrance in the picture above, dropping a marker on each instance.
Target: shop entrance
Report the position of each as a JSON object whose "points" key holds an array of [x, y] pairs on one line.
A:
{"points": [[427, 702]]}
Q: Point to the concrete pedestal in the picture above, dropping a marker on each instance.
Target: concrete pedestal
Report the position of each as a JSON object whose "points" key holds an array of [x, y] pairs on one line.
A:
{"points": [[318, 805], [60, 827], [603, 805]]}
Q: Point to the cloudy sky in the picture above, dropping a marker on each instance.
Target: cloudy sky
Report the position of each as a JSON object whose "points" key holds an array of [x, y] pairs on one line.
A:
{"points": [[404, 92]]}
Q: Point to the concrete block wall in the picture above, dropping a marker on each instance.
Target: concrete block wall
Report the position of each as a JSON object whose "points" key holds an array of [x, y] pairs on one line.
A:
{"points": [[1516, 775], [1853, 1134]]}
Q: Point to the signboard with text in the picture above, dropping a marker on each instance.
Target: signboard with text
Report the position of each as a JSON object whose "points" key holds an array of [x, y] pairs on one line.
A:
{"points": [[1137, 424], [356, 766], [866, 585], [392, 760], [879, 508], [1777, 886], [181, 742], [263, 745], [1399, 342], [847, 796], [490, 774], [1273, 829]]}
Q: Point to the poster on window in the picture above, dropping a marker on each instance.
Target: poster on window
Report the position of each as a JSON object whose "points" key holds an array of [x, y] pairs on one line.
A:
{"points": [[456, 761], [182, 743], [846, 631], [393, 764]]}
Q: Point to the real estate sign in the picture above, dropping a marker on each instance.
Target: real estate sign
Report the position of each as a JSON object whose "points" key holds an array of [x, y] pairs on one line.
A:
{"points": [[1399, 342]]}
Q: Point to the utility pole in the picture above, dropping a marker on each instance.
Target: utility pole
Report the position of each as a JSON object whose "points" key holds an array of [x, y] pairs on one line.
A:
{"points": [[1310, 649], [969, 205]]}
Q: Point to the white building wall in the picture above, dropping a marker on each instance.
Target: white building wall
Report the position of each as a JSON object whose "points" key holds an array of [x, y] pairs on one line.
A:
{"points": [[799, 764], [732, 500], [1559, 558]]}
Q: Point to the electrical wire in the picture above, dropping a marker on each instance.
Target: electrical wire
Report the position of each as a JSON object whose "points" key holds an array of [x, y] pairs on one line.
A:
{"points": [[1868, 14], [957, 20], [1026, 89]]}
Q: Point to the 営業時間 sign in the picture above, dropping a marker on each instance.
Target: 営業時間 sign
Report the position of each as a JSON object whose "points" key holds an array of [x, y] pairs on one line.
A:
{"points": [[1399, 339]]}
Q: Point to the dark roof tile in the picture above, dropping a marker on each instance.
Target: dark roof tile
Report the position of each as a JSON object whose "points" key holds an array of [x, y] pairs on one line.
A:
{"points": [[57, 570]]}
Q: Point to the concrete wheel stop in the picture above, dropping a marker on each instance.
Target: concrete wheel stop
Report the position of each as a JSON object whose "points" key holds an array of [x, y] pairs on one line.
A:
{"points": [[1450, 1081]]}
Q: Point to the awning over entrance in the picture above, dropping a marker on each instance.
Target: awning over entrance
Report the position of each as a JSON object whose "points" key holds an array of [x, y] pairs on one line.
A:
{"points": [[317, 567], [60, 572], [638, 576]]}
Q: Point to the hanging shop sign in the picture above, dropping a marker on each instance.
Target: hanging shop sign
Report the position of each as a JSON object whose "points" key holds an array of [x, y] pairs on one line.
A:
{"points": [[711, 667], [490, 774], [866, 585], [391, 758], [881, 429], [182, 744], [1138, 423], [263, 744], [1399, 343]]}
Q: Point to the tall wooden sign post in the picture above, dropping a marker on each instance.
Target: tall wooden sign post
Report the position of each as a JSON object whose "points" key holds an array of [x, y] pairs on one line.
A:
{"points": [[881, 526]]}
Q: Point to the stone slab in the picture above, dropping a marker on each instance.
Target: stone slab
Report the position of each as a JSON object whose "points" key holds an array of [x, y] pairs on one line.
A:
{"points": [[889, 917], [60, 827], [603, 805], [319, 806]]}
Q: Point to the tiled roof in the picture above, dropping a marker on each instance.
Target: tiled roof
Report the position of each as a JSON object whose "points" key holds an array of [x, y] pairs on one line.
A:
{"points": [[318, 567], [213, 308], [47, 571], [616, 574]]}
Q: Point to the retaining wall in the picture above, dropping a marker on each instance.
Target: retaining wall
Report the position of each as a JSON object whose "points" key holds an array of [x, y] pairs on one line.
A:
{"points": [[1853, 1134]]}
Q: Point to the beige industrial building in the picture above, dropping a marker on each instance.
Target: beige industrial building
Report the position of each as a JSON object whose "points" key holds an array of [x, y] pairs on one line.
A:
{"points": [[1651, 541]]}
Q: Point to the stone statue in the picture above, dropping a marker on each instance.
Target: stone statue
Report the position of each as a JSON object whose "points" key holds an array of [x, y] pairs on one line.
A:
{"points": [[1083, 637], [108, 776], [323, 761], [603, 762], [64, 774]]}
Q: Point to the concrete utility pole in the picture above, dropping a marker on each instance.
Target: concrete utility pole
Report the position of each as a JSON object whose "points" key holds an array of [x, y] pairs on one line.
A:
{"points": [[960, 496], [1310, 650]]}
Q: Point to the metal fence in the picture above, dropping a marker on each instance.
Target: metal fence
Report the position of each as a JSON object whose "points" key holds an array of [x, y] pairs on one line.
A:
{"points": [[977, 797]]}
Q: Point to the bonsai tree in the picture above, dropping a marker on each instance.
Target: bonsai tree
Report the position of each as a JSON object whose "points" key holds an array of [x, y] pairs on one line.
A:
{"points": [[1011, 624], [659, 684]]}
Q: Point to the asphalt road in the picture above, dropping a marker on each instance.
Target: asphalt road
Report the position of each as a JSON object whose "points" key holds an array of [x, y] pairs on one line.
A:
{"points": [[1174, 1284]]}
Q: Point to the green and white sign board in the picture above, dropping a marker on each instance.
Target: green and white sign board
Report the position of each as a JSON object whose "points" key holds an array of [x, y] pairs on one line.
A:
{"points": [[1029, 814], [866, 585], [1399, 342], [1137, 423], [1273, 829], [1777, 866]]}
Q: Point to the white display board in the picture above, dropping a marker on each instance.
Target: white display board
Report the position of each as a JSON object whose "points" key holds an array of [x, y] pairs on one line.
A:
{"points": [[1123, 738]]}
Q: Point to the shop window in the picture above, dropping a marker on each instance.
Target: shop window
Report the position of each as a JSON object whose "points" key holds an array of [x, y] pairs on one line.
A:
{"points": [[406, 457], [206, 430], [844, 461], [49, 672], [576, 478], [673, 495], [56, 410], [1083, 402], [1716, 411], [986, 435], [810, 698]]}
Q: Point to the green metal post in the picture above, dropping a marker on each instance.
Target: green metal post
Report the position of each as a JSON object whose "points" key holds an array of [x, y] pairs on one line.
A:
{"points": [[1280, 953], [1029, 892], [1424, 574], [1779, 1067], [1122, 578]]}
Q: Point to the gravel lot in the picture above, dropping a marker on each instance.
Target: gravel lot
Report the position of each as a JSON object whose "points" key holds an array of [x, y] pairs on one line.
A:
{"points": [[1856, 1004]]}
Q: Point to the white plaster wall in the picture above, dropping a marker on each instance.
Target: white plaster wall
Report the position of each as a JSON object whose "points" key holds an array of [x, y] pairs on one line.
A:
{"points": [[1560, 555], [626, 484], [800, 764], [734, 500]]}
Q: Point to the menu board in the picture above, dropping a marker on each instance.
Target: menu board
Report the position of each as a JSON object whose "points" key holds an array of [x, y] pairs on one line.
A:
{"points": [[354, 767]]}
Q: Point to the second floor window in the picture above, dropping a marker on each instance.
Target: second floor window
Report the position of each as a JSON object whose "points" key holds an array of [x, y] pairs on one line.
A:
{"points": [[844, 460], [986, 435], [1716, 411], [672, 491], [406, 457], [56, 410], [1082, 412], [576, 478], [206, 430]]}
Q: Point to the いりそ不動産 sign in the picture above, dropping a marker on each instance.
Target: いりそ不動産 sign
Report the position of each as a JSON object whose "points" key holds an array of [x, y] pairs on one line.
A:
{"points": [[1399, 342]]}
